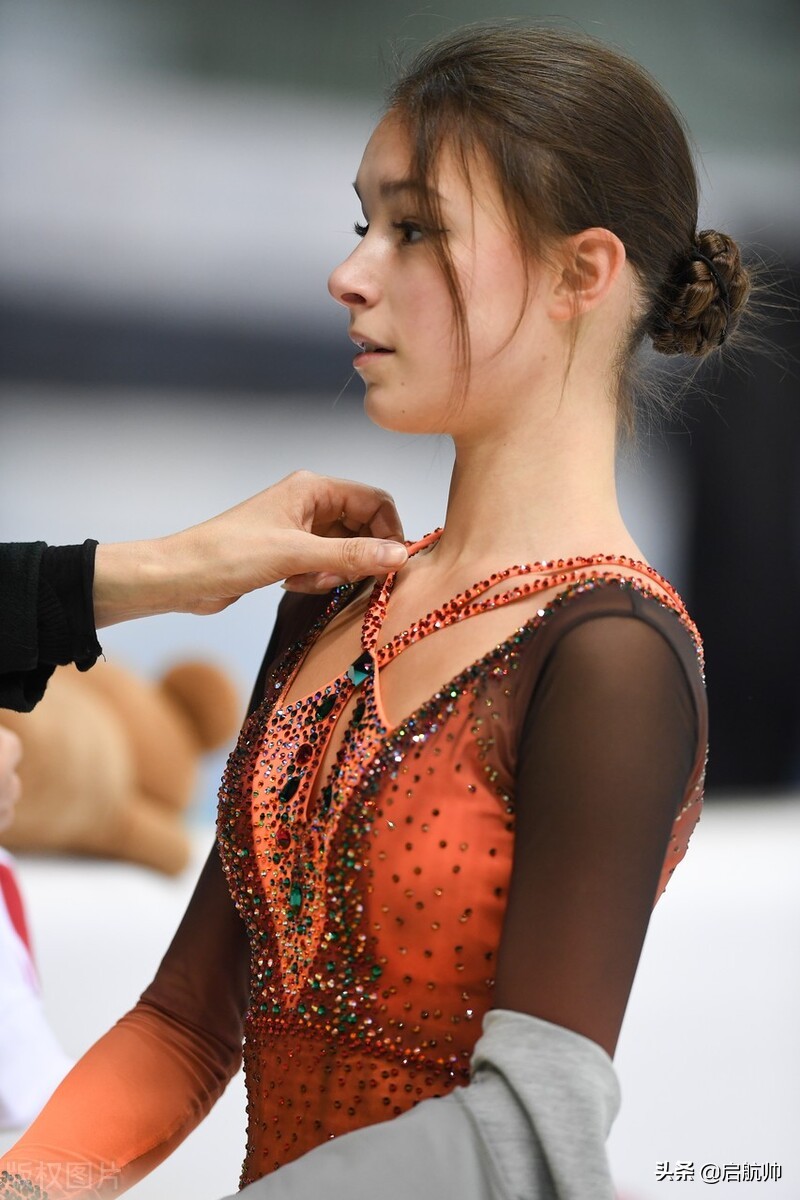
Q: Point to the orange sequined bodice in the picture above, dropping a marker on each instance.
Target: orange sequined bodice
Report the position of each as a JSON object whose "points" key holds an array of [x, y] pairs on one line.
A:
{"points": [[374, 899]]}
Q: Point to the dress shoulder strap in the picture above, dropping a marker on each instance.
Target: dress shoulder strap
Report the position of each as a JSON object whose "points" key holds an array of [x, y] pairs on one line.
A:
{"points": [[540, 577]]}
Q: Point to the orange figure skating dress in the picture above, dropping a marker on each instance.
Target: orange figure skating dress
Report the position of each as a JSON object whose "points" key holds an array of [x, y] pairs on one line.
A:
{"points": [[516, 827]]}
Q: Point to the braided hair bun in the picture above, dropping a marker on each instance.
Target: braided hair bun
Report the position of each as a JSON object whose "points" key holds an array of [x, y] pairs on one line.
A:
{"points": [[700, 303]]}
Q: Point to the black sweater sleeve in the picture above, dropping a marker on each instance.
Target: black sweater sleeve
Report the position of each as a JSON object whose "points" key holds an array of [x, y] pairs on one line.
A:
{"points": [[46, 616]]}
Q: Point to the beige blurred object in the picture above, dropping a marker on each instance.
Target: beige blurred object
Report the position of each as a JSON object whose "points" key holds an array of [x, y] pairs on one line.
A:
{"points": [[10, 753], [110, 761]]}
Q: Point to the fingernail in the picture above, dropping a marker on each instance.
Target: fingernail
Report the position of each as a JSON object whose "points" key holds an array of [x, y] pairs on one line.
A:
{"points": [[391, 554]]}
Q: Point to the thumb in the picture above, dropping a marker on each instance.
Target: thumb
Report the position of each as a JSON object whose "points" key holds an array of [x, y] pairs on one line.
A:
{"points": [[356, 557], [341, 560]]}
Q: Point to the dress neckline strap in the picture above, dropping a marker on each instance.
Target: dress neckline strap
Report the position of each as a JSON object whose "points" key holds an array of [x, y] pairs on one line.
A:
{"points": [[472, 601]]}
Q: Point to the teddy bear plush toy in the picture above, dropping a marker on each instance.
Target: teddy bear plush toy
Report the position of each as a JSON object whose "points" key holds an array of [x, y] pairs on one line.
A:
{"points": [[109, 767], [110, 761]]}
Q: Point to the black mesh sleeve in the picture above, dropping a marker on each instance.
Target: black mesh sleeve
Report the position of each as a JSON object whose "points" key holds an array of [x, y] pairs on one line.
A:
{"points": [[609, 744]]}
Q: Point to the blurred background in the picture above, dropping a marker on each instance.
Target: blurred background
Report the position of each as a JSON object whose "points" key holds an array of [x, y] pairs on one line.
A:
{"points": [[175, 189], [175, 185]]}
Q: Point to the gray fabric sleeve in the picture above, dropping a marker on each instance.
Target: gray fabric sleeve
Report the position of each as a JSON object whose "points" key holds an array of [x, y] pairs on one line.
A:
{"points": [[543, 1100], [531, 1125]]}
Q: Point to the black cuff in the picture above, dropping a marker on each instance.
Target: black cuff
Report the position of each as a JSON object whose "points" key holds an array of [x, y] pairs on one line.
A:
{"points": [[65, 608]]}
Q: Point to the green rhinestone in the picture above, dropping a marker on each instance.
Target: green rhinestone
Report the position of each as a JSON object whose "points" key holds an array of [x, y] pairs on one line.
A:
{"points": [[324, 707], [296, 896], [358, 671], [289, 788]]}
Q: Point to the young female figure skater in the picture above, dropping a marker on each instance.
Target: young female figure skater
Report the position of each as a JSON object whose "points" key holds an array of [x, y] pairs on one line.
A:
{"points": [[443, 887]]}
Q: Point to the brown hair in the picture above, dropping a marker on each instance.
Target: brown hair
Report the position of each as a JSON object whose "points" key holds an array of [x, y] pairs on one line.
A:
{"points": [[577, 136]]}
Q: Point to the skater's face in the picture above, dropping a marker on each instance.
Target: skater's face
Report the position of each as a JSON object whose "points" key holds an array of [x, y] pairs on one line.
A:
{"points": [[401, 311]]}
